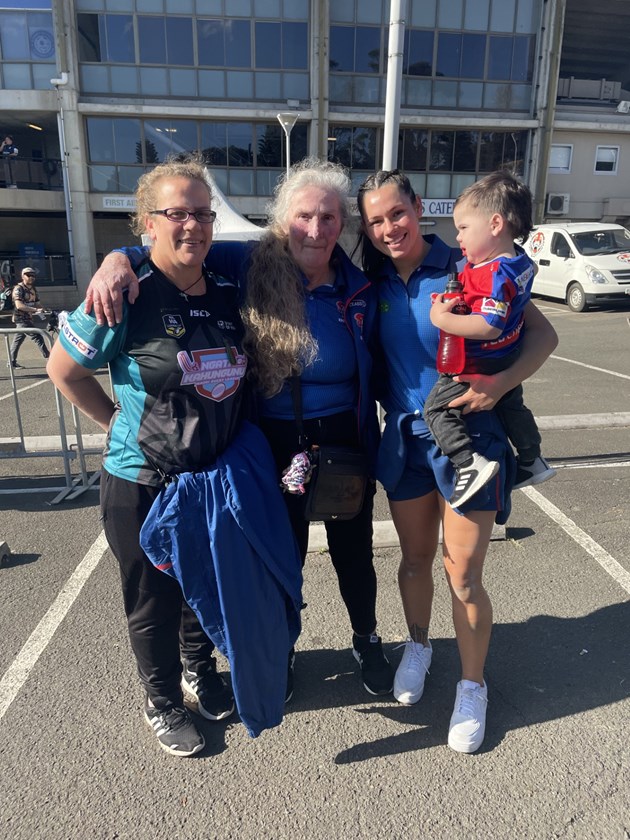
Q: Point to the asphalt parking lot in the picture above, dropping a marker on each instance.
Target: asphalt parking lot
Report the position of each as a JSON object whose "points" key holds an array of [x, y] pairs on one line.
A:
{"points": [[77, 759]]}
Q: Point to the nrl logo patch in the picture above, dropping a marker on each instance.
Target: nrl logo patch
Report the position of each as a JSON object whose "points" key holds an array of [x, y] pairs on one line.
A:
{"points": [[173, 325]]}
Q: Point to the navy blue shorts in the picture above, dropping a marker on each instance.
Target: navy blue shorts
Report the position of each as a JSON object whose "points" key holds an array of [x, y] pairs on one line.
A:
{"points": [[427, 469]]}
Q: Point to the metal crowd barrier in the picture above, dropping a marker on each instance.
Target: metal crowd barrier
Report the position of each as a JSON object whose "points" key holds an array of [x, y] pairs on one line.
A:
{"points": [[73, 447]]}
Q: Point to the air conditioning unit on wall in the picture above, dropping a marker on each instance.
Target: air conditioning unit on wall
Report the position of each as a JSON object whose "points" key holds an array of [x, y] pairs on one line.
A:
{"points": [[558, 204]]}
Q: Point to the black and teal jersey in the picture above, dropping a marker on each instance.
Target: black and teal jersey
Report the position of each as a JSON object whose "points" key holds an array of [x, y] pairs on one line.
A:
{"points": [[178, 369]]}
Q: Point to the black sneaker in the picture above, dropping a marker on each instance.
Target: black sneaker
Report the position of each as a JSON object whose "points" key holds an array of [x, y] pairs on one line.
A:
{"points": [[377, 673], [533, 473], [15, 365], [210, 693], [174, 728], [290, 668], [469, 480]]}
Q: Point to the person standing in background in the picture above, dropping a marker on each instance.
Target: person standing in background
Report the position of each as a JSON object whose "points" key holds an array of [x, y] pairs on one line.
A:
{"points": [[26, 303], [9, 150]]}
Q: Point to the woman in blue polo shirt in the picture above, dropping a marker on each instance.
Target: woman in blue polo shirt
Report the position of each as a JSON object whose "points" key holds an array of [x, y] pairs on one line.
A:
{"points": [[407, 269]]}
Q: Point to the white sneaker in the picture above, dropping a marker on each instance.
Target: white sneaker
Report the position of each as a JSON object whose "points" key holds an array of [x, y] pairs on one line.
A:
{"points": [[534, 473], [468, 721], [411, 673], [469, 480]]}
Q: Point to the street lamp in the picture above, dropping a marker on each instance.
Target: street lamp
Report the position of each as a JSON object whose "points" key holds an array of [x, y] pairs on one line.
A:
{"points": [[287, 121]]}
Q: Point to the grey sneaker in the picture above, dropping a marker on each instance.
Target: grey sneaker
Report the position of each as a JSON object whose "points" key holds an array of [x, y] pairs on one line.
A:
{"points": [[174, 728], [469, 480]]}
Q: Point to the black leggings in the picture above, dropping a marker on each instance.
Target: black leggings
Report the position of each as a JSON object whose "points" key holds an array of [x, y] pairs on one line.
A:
{"points": [[162, 627], [350, 541]]}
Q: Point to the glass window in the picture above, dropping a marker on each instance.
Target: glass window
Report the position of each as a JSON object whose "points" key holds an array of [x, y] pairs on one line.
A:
{"points": [[413, 151], [295, 46], [268, 86], [241, 182], [150, 5], [340, 146], [369, 11], [560, 158], [460, 182], [124, 79], [119, 29], [268, 50], [439, 186], [295, 9], [354, 148], [470, 94], [183, 82], [500, 57], [445, 94], [476, 15], [89, 38], [240, 144], [240, 8], [171, 137], [17, 76], [41, 36], [266, 180], [341, 88], [214, 143], [491, 151], [95, 79], [179, 41], [368, 49], [179, 7], [473, 56], [299, 142], [269, 145], [210, 42], [119, 5], [418, 92], [606, 158], [367, 89], [128, 178], [240, 85], [126, 140], [342, 11], [295, 85], [42, 74], [238, 52], [152, 40], [449, 54], [502, 16], [267, 8], [441, 155], [211, 84], [450, 14], [465, 154], [154, 81], [523, 59], [103, 178], [418, 59], [341, 49], [13, 37], [423, 14]]}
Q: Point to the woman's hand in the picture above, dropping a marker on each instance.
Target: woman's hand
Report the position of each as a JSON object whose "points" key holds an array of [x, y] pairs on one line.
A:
{"points": [[484, 392], [105, 292]]}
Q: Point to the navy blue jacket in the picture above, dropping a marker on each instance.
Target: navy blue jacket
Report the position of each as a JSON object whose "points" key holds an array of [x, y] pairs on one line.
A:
{"points": [[224, 534]]}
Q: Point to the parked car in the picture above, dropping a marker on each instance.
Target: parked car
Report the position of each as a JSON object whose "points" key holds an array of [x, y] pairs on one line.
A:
{"points": [[582, 263]]}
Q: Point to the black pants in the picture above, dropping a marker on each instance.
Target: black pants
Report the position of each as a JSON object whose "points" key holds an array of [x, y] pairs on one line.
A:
{"points": [[448, 425], [162, 627], [350, 541], [20, 338]]}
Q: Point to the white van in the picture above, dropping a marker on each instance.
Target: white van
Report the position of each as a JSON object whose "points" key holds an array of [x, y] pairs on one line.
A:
{"points": [[581, 263]]}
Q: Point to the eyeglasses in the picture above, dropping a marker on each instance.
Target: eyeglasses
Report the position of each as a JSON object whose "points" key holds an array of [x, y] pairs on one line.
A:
{"points": [[28, 274], [173, 214]]}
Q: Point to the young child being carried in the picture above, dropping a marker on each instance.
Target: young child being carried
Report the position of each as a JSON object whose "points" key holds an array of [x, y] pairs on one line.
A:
{"points": [[497, 279]]}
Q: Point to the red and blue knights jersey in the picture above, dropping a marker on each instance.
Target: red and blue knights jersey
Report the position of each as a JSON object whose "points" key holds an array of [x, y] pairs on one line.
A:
{"points": [[498, 290], [178, 369]]}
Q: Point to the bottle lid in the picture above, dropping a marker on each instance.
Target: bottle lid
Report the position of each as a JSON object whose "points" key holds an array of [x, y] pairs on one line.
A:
{"points": [[453, 284]]}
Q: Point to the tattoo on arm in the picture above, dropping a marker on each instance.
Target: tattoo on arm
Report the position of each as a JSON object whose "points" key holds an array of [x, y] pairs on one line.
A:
{"points": [[420, 635]]}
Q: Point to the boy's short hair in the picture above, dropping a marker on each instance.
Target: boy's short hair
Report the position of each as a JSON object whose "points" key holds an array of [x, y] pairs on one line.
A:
{"points": [[501, 192]]}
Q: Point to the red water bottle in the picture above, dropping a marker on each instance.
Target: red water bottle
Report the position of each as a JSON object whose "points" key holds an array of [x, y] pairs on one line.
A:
{"points": [[451, 354]]}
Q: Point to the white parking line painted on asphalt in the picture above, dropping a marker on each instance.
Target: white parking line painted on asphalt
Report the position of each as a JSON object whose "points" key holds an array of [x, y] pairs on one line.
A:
{"points": [[27, 388], [590, 367], [19, 670], [608, 563]]}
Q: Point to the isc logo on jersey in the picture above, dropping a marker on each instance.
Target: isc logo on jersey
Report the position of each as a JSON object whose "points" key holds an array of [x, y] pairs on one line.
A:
{"points": [[490, 306]]}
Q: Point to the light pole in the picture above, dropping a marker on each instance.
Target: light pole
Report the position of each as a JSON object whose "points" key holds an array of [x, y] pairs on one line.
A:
{"points": [[62, 81], [287, 121]]}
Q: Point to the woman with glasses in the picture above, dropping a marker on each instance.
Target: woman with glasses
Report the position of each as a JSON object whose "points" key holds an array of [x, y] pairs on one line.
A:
{"points": [[187, 481], [310, 313]]}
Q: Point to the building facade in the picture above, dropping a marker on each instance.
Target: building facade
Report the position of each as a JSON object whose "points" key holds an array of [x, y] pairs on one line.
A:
{"points": [[95, 92]]}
